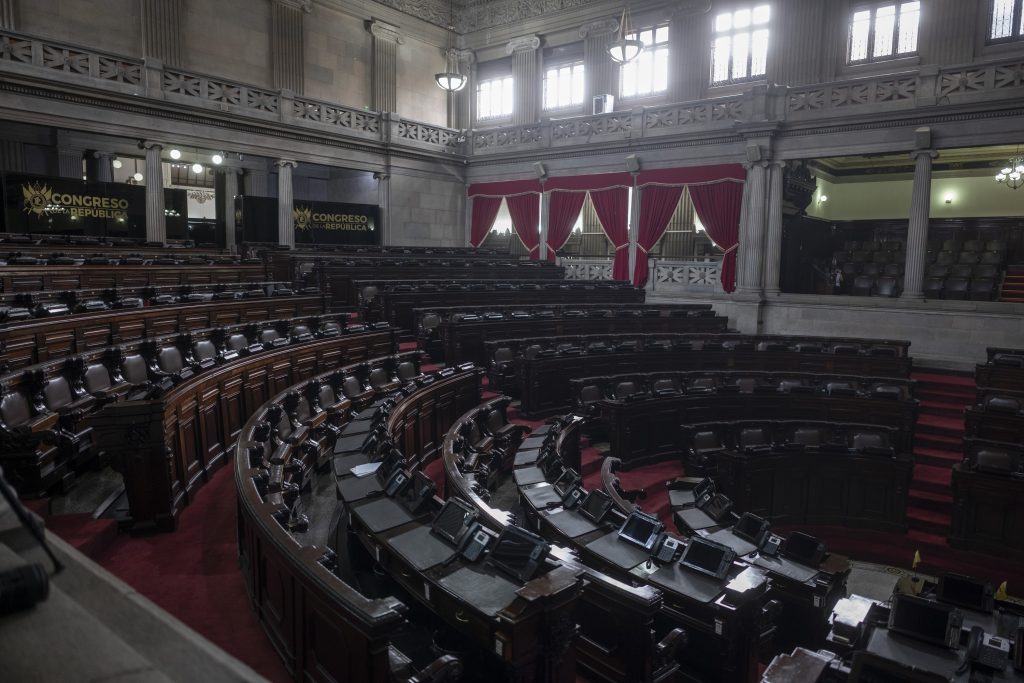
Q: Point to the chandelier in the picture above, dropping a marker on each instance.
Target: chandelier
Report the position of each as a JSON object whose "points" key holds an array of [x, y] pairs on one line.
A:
{"points": [[625, 49], [1013, 174], [450, 80]]}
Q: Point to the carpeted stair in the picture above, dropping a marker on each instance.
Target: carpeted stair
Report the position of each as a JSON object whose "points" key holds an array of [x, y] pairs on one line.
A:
{"points": [[938, 445], [1013, 285]]}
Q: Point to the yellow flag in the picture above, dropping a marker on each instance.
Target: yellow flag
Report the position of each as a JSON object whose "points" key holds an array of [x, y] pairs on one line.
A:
{"points": [[917, 559], [1001, 592]]}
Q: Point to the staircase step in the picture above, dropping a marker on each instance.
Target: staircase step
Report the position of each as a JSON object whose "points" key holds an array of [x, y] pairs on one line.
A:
{"points": [[945, 424], [930, 500], [929, 521], [932, 478], [937, 457], [948, 379], [937, 441], [944, 392], [953, 409], [922, 540]]}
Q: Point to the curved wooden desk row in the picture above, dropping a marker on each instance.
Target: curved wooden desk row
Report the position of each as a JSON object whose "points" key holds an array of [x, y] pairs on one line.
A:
{"points": [[465, 339], [40, 340], [1004, 369], [37, 278], [394, 301], [24, 306], [166, 447], [723, 643], [542, 368], [647, 429], [44, 243]]}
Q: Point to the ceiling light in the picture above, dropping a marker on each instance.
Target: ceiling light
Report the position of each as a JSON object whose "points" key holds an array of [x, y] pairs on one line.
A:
{"points": [[137, 177], [175, 154], [1012, 174], [450, 80], [625, 49], [217, 158], [948, 197], [197, 168], [116, 163]]}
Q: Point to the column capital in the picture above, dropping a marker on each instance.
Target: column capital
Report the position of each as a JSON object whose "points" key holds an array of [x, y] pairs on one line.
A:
{"points": [[601, 27], [764, 163], [103, 155], [464, 56], [229, 170], [522, 44], [304, 5], [924, 152], [151, 144], [282, 163], [382, 31]]}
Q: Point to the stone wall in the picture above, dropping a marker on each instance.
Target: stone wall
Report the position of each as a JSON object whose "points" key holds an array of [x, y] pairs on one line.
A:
{"points": [[427, 211]]}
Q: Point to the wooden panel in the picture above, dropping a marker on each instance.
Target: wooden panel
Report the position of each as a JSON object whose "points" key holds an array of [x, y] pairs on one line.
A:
{"points": [[166, 323], [188, 443], [99, 336], [279, 377], [196, 321], [211, 434], [254, 390], [276, 602], [231, 407]]}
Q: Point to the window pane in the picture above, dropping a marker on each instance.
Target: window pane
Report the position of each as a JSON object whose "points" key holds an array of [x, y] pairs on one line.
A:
{"points": [[506, 102], [661, 35], [741, 19], [723, 22], [885, 24], [740, 53], [661, 71], [720, 59], [761, 14], [1002, 18], [628, 86], [645, 77], [647, 37], [759, 53], [577, 84], [859, 28], [910, 14]]}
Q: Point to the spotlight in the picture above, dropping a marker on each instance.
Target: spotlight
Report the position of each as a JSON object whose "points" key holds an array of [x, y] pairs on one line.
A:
{"points": [[137, 177], [948, 197], [217, 159], [823, 198], [175, 154], [116, 163], [197, 168]]}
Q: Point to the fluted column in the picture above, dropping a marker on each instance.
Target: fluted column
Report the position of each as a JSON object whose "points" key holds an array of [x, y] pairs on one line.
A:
{"points": [[9, 15], [227, 189], [917, 227], [12, 155], [254, 183], [384, 204], [285, 202], [948, 32], [156, 220], [526, 80], [634, 225], [796, 58], [386, 40], [756, 213], [545, 203], [69, 162], [161, 30], [600, 72], [288, 43], [103, 171], [773, 240], [741, 245], [690, 66]]}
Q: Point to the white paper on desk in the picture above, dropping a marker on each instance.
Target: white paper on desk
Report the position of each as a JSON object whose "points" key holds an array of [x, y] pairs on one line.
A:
{"points": [[365, 469]]}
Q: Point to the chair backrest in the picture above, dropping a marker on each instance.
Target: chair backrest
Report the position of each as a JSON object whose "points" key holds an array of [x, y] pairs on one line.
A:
{"points": [[961, 270], [703, 383], [430, 320], [664, 385], [754, 436], [269, 335], [169, 359], [237, 342], [706, 440], [951, 245], [14, 410], [937, 270], [956, 286], [1008, 360], [873, 440], [134, 369], [862, 285], [57, 393], [982, 287], [968, 257], [379, 378], [591, 393], [303, 410], [1001, 404], [851, 269], [996, 461], [351, 386], [946, 258], [973, 245], [326, 396], [204, 349], [406, 370], [870, 269], [625, 389], [496, 420], [894, 269], [97, 378], [886, 286], [531, 351], [986, 271], [808, 436]]}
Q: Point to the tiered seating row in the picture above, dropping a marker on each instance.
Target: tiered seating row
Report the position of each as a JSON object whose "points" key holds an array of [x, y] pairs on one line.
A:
{"points": [[36, 278]]}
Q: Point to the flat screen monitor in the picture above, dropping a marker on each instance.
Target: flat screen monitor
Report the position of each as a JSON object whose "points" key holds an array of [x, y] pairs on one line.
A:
{"points": [[566, 481], [707, 558], [391, 461], [518, 553], [926, 620], [964, 591], [454, 520], [596, 505], [706, 487], [804, 548], [751, 528], [871, 668], [641, 529]]}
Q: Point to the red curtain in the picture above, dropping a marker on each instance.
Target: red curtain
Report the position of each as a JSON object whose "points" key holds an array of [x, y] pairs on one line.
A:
{"points": [[657, 204], [525, 212], [563, 210], [612, 207], [485, 210], [718, 207]]}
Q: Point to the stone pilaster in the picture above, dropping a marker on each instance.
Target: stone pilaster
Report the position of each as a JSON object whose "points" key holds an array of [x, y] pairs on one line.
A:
{"points": [[384, 202], [254, 183], [386, 40], [156, 221], [545, 208], [917, 227], [285, 202], [69, 162], [689, 68], [948, 32], [741, 248], [161, 30], [773, 240], [288, 44], [634, 225], [460, 104], [102, 170], [226, 189], [12, 155], [753, 260], [9, 15], [526, 80], [600, 72], [795, 58]]}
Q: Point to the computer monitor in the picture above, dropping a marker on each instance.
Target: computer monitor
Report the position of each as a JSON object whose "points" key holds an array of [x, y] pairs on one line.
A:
{"points": [[518, 553], [705, 488], [454, 520], [751, 528], [963, 591], [566, 481], [392, 460], [705, 557], [871, 668], [926, 620], [596, 505], [641, 529], [804, 548], [419, 493]]}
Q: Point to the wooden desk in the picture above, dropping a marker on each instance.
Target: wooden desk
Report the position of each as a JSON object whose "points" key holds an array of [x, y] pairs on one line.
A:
{"points": [[988, 512], [38, 278]]}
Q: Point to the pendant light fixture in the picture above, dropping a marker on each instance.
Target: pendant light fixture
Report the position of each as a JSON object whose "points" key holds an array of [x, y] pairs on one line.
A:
{"points": [[1013, 174], [450, 80], [624, 49]]}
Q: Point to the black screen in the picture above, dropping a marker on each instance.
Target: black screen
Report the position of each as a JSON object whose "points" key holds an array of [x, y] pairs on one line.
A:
{"points": [[801, 547], [749, 527], [640, 529], [596, 505], [706, 486], [871, 668], [518, 553], [453, 520], [703, 556], [565, 482], [920, 618], [964, 591]]}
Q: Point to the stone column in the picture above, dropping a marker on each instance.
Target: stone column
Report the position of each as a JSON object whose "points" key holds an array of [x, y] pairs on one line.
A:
{"points": [[386, 40], [12, 155], [161, 30], [526, 80], [69, 162], [917, 227], [285, 202], [634, 225], [9, 15], [103, 171], [773, 240], [689, 54], [227, 189], [741, 248], [601, 74], [254, 183], [156, 221], [287, 43], [545, 204], [797, 57], [384, 203], [754, 257]]}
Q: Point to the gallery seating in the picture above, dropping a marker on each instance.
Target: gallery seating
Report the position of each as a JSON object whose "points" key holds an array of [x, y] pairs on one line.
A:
{"points": [[36, 278]]}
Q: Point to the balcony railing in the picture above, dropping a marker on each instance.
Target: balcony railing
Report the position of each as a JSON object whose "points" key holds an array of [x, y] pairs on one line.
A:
{"points": [[680, 276]]}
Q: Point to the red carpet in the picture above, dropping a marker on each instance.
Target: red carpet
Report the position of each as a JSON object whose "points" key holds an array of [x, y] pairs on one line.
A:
{"points": [[194, 574]]}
